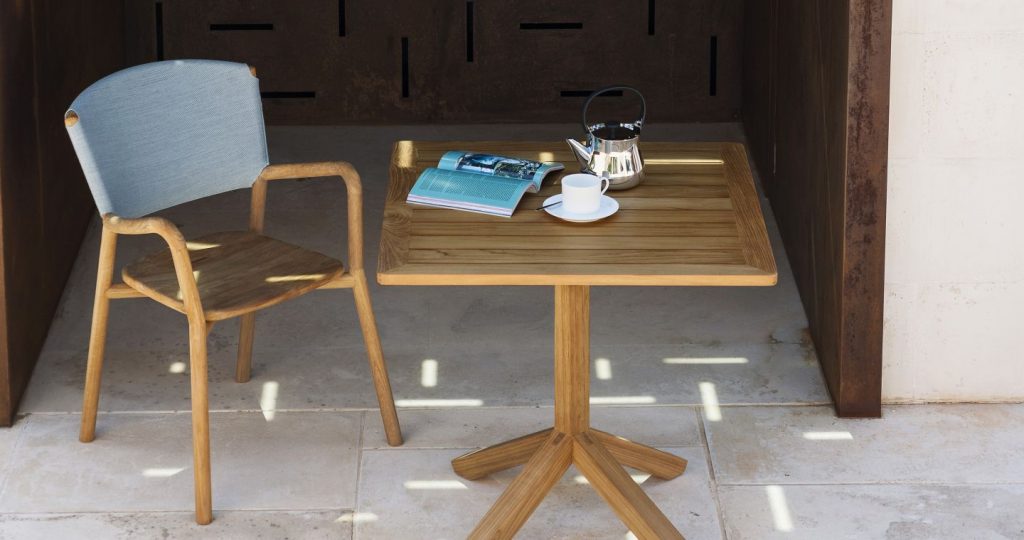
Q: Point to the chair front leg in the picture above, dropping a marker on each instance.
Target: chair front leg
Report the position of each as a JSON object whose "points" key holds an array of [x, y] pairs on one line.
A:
{"points": [[98, 335], [197, 335], [378, 368]]}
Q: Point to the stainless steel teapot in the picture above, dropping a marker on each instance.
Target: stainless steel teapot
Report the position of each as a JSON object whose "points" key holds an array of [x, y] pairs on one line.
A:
{"points": [[611, 151]]}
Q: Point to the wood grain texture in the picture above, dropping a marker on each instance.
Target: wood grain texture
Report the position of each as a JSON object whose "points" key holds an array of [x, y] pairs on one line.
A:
{"points": [[375, 356], [237, 272], [633, 454], [698, 223], [818, 127], [246, 335], [598, 454], [525, 493], [98, 335], [486, 461], [198, 332], [572, 358], [618, 489], [355, 278]]}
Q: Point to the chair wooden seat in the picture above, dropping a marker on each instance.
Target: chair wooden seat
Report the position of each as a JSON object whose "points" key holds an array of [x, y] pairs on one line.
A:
{"points": [[236, 272]]}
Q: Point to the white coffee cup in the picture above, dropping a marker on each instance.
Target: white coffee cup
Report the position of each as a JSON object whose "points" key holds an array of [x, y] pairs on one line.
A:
{"points": [[581, 193]]}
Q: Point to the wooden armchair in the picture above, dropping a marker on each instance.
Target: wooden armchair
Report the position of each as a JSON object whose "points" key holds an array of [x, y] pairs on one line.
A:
{"points": [[220, 275]]}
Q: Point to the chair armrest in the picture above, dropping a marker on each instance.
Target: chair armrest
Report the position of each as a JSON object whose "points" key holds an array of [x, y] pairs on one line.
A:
{"points": [[148, 225], [313, 169], [179, 254], [318, 169]]}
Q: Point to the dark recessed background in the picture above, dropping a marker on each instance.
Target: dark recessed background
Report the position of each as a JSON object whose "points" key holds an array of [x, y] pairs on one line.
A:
{"points": [[391, 61]]}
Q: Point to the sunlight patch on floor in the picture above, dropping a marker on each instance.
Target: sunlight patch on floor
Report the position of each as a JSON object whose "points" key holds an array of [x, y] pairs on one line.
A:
{"points": [[439, 402], [268, 399], [704, 361], [709, 398], [780, 508], [428, 373], [603, 369]]}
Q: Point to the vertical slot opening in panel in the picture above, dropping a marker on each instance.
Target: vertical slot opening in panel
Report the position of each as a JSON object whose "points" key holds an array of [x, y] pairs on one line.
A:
{"points": [[469, 31], [159, 30], [341, 18], [713, 66], [650, 17], [405, 67]]}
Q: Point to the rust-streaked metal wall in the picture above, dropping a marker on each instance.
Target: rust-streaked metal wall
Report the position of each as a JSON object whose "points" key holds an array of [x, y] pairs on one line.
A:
{"points": [[49, 51], [816, 111], [391, 61]]}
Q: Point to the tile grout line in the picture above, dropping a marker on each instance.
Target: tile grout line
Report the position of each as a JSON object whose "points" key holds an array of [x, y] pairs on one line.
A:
{"points": [[359, 474], [479, 408], [922, 483], [712, 477], [306, 510], [471, 448]]}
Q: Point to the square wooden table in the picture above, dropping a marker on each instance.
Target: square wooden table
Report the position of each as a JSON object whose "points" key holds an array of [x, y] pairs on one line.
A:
{"points": [[694, 221]]}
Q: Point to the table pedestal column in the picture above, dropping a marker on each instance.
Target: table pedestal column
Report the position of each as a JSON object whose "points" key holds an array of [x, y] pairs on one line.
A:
{"points": [[548, 453]]}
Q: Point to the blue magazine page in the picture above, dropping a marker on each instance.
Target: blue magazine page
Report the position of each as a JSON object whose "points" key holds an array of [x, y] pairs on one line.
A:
{"points": [[505, 167], [467, 191], [478, 182]]}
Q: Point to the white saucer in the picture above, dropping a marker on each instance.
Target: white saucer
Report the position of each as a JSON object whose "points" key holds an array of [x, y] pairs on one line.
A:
{"points": [[608, 207]]}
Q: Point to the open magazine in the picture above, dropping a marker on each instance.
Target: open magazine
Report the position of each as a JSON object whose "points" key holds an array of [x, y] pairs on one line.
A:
{"points": [[481, 183]]}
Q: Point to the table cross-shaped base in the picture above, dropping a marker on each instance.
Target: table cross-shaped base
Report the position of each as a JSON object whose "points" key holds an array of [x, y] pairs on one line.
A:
{"points": [[548, 453]]}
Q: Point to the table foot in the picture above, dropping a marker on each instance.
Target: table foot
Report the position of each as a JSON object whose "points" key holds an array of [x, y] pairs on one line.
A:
{"points": [[526, 492], [487, 461], [640, 456], [618, 489], [548, 454]]}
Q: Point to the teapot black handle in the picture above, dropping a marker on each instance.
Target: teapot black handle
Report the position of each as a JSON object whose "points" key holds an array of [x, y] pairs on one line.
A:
{"points": [[643, 104]]}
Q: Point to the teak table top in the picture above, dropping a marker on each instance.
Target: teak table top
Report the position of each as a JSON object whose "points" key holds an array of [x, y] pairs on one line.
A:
{"points": [[695, 220]]}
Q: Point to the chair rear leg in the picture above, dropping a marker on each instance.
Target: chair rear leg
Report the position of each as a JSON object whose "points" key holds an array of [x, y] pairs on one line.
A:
{"points": [[97, 336], [378, 368], [197, 333], [243, 366]]}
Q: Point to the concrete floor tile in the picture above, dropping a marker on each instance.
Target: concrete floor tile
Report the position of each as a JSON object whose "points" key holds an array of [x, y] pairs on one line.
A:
{"points": [[143, 462], [474, 375], [723, 372], [414, 494], [465, 428], [486, 315], [698, 315], [975, 444], [232, 525], [9, 439], [896, 512]]}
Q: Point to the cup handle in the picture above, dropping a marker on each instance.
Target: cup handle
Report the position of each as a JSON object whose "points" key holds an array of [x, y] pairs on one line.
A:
{"points": [[607, 184]]}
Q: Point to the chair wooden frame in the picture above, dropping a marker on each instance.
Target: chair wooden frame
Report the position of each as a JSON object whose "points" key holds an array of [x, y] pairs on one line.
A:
{"points": [[199, 324]]}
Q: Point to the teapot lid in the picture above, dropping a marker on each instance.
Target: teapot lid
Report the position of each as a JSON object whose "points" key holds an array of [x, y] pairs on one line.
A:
{"points": [[614, 131]]}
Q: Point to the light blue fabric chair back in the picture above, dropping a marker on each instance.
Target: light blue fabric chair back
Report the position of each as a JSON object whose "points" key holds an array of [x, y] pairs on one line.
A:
{"points": [[161, 134]]}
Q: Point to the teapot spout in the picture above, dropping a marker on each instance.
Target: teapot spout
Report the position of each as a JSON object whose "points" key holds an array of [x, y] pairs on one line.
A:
{"points": [[581, 152]]}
